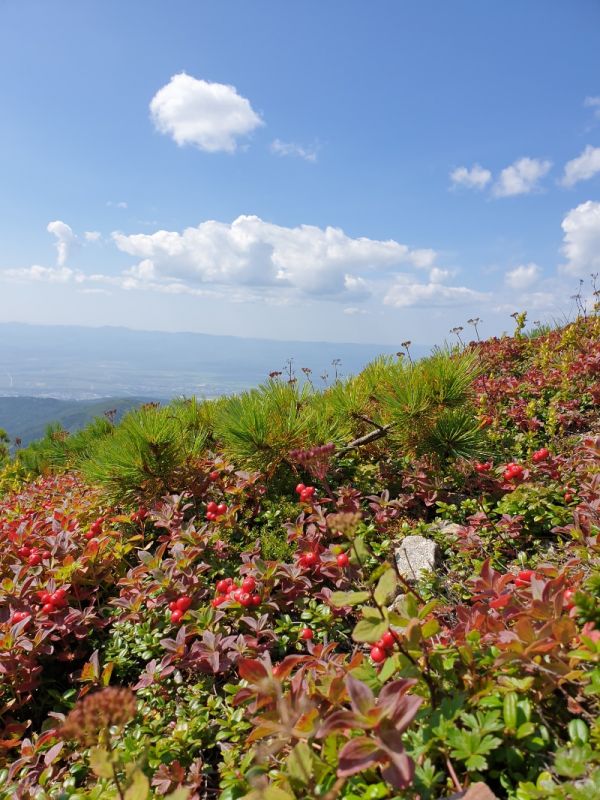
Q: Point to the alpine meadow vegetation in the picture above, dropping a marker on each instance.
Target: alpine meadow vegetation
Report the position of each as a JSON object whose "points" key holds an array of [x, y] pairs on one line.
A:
{"points": [[204, 600]]}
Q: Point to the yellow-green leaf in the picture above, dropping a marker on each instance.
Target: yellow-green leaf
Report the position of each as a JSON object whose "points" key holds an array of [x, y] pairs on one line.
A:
{"points": [[300, 763], [386, 588], [341, 599], [139, 788], [100, 762]]}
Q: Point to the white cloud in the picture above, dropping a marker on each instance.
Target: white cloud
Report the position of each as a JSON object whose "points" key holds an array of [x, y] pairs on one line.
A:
{"points": [[475, 178], [406, 293], [118, 204], [210, 116], [251, 252], [65, 239], [581, 239], [522, 177], [523, 276], [352, 311], [92, 236], [292, 149], [40, 274], [593, 102], [583, 167]]}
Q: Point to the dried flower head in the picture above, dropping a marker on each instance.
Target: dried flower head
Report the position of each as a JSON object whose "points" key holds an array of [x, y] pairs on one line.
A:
{"points": [[96, 713], [345, 522]]}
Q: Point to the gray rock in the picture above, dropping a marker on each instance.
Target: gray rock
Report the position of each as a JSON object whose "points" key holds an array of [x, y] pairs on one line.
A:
{"points": [[447, 527], [416, 554]]}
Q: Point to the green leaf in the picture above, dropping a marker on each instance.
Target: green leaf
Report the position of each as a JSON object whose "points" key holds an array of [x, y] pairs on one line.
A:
{"points": [[369, 629], [386, 588], [100, 762], [179, 794], [300, 763], [139, 788], [341, 599]]}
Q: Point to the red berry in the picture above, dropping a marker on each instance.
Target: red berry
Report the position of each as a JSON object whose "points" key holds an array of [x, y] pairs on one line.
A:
{"points": [[223, 586], [184, 602], [176, 615], [306, 634], [93, 545], [237, 595], [218, 600], [48, 608], [19, 616], [214, 475], [343, 560], [300, 488], [540, 455], [172, 606], [89, 534], [310, 558], [568, 497], [45, 597], [388, 640], [569, 599], [245, 599], [211, 507], [256, 601], [526, 575], [378, 654], [221, 509], [249, 584], [34, 559]]}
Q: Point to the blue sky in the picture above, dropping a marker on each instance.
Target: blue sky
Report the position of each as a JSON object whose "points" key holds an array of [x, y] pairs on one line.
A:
{"points": [[346, 171]]}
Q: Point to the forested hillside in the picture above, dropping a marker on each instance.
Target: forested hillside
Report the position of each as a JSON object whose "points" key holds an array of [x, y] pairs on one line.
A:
{"points": [[389, 588]]}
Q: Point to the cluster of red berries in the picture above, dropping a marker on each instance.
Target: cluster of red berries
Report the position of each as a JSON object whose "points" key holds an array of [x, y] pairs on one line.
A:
{"points": [[382, 649], [244, 593], [215, 510], [513, 472], [179, 607], [540, 455], [95, 528], [33, 555], [305, 493], [482, 467], [53, 601]]}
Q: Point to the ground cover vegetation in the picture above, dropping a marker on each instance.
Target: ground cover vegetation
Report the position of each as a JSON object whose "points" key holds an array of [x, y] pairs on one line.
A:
{"points": [[203, 599]]}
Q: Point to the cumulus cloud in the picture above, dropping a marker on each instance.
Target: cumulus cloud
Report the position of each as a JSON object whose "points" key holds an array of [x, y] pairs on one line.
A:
{"points": [[65, 238], [252, 252], [406, 292], [522, 177], [209, 116], [475, 178], [593, 102], [581, 227], [292, 149], [523, 276], [92, 236], [583, 167]]}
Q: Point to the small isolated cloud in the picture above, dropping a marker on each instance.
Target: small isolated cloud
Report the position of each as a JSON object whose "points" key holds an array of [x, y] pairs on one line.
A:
{"points": [[474, 178], [583, 167], [522, 177], [118, 204], [407, 293], [251, 252], [65, 238], [352, 311], [92, 236], [292, 149], [594, 103], [581, 239], [209, 116], [523, 276]]}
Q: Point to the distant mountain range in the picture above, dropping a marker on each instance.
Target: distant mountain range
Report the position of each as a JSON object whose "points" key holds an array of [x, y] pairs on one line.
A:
{"points": [[26, 418], [121, 368]]}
